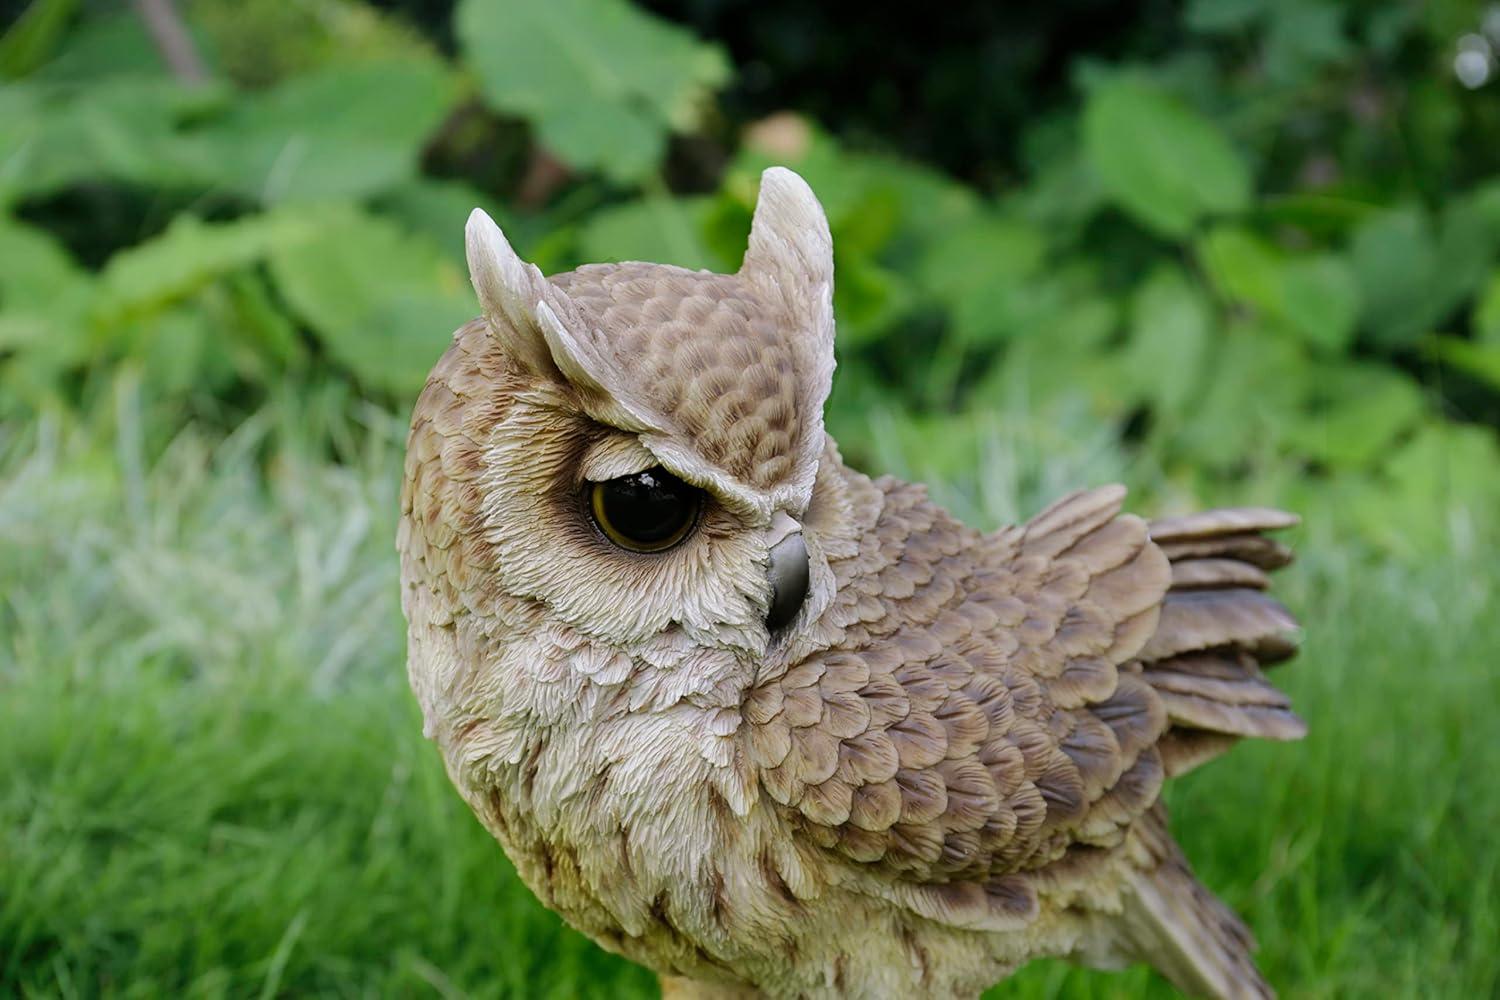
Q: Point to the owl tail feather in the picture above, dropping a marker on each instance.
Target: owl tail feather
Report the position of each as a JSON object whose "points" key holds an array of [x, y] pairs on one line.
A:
{"points": [[1218, 629], [1175, 924]]}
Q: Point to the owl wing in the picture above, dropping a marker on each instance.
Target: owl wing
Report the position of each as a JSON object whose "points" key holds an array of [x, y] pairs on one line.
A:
{"points": [[987, 722]]}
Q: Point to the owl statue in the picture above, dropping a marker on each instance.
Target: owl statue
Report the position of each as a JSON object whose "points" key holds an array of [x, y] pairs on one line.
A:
{"points": [[770, 727]]}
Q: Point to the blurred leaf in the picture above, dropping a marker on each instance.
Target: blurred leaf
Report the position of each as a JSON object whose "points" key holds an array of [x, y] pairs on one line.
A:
{"points": [[1445, 471], [257, 43], [188, 256], [1320, 297], [263, 340], [977, 270], [37, 268], [32, 38], [1359, 409], [44, 300], [1487, 313], [1303, 37], [1481, 360], [1059, 364], [341, 132], [1466, 249], [1170, 327], [1410, 277], [383, 301], [602, 81], [179, 349], [1160, 161], [1318, 214], [107, 45], [1245, 268], [867, 299], [655, 228], [439, 210], [1216, 17], [1315, 297], [873, 199], [1254, 396], [55, 136], [1395, 260]]}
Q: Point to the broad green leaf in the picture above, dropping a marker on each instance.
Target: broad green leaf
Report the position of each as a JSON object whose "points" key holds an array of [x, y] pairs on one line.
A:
{"points": [[659, 229], [1481, 360], [44, 299], [258, 43], [1487, 312], [1257, 387], [1215, 17], [1159, 160], [867, 299], [343, 132], [1465, 253], [1358, 410], [54, 136], [1061, 362], [1318, 214], [1170, 327], [1412, 277], [602, 81], [383, 301], [1304, 36], [37, 268], [870, 199], [261, 339], [1444, 472], [1245, 269], [32, 38], [979, 270], [1396, 262], [180, 350], [439, 210], [189, 255], [111, 45], [1320, 298]]}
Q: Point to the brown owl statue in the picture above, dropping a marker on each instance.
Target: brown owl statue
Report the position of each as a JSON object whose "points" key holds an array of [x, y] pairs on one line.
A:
{"points": [[770, 727]]}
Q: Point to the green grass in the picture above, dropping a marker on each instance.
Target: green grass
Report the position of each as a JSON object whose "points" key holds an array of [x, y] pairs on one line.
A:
{"points": [[214, 782]]}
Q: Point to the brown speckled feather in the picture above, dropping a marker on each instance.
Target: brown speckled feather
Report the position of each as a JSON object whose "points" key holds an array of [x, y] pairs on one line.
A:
{"points": [[710, 357], [993, 706], [972, 721]]}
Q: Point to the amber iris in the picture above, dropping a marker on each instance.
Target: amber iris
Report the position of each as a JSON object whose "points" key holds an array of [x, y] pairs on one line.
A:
{"points": [[645, 511]]}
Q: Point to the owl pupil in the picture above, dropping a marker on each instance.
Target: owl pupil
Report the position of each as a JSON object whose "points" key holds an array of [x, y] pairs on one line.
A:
{"points": [[646, 511]]}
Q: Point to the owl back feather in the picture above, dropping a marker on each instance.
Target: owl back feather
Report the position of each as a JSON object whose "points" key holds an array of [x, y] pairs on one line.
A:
{"points": [[992, 717]]}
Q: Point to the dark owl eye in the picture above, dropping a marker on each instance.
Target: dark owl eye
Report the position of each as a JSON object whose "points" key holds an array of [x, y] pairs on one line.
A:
{"points": [[646, 511]]}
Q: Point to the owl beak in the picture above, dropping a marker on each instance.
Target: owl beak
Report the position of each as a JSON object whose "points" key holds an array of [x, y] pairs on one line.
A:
{"points": [[787, 571]]}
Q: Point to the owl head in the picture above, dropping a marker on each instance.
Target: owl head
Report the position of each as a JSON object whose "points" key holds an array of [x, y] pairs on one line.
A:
{"points": [[625, 457]]}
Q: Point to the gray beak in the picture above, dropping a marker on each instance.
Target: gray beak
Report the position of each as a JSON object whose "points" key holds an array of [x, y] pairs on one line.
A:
{"points": [[788, 574]]}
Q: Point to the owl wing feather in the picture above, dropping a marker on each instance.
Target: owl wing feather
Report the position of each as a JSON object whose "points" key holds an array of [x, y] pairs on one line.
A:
{"points": [[991, 718]]}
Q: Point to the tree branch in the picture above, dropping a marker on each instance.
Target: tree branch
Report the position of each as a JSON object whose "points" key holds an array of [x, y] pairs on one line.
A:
{"points": [[172, 40]]}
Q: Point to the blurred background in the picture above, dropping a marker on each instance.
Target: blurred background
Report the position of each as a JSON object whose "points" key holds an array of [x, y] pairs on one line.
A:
{"points": [[1221, 250]]}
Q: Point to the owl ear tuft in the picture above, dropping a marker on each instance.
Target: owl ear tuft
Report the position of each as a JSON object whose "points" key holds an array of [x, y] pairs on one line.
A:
{"points": [[790, 246], [540, 326], [510, 291]]}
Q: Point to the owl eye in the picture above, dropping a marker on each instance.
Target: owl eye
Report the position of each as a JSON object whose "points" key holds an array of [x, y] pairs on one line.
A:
{"points": [[646, 511]]}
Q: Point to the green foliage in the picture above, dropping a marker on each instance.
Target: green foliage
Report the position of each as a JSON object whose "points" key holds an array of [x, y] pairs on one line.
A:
{"points": [[1165, 165], [376, 296], [603, 82]]}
